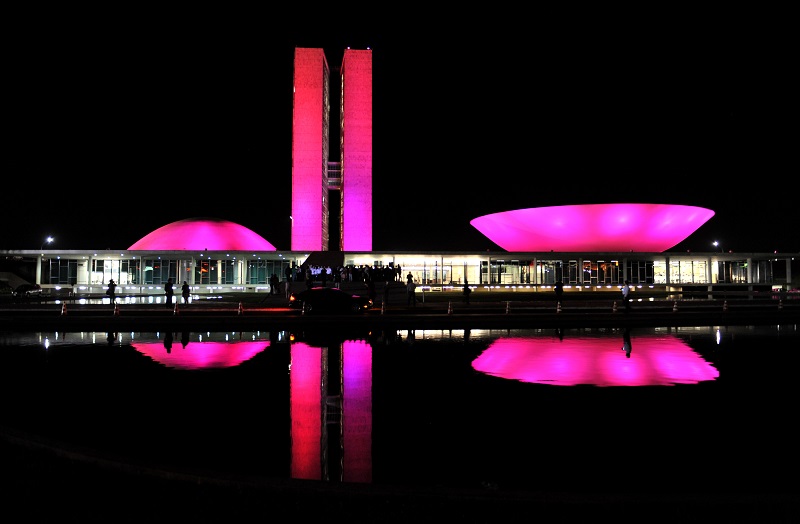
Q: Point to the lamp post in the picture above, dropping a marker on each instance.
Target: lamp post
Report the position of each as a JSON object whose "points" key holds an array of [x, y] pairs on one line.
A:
{"points": [[48, 240], [717, 244]]}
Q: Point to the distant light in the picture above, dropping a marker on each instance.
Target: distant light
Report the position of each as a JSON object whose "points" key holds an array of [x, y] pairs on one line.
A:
{"points": [[48, 240]]}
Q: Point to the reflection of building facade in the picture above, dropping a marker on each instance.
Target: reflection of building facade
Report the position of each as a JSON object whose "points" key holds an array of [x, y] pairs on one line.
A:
{"points": [[331, 411], [214, 272]]}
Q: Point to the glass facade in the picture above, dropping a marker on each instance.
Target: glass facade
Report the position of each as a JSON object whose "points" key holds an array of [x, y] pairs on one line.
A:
{"points": [[238, 270]]}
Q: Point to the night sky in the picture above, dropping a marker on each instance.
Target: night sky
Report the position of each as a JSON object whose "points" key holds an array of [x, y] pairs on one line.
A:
{"points": [[114, 132]]}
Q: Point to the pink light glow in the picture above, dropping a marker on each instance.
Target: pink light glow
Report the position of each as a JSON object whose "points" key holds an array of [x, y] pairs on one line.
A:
{"points": [[310, 120], [593, 227], [198, 234], [201, 355], [357, 411], [306, 411], [356, 150], [654, 361]]}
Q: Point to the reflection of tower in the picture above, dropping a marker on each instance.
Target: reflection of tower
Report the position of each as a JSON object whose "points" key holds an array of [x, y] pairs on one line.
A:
{"points": [[312, 178], [356, 411], [331, 412]]}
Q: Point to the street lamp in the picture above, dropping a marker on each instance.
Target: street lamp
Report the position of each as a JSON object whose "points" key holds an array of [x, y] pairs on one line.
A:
{"points": [[48, 240], [717, 244]]}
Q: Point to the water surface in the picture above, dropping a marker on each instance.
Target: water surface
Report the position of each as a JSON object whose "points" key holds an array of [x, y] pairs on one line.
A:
{"points": [[682, 409]]}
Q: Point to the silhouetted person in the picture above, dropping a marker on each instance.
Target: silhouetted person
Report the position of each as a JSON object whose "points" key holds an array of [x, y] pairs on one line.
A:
{"points": [[559, 289], [168, 289], [411, 287], [112, 291], [466, 292], [273, 284], [626, 342], [112, 337], [185, 338], [626, 296], [185, 292], [168, 341]]}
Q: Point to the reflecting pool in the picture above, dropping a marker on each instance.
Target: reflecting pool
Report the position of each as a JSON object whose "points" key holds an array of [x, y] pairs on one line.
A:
{"points": [[678, 408]]}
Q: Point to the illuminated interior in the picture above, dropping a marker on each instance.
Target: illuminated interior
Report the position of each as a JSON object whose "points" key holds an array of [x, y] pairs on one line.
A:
{"points": [[198, 234], [593, 227], [663, 360]]}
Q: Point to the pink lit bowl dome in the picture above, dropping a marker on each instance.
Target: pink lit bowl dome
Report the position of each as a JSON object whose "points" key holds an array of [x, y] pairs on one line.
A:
{"points": [[593, 227], [198, 234]]}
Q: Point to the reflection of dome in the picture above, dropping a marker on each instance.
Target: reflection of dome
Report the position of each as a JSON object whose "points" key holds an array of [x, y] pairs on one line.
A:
{"points": [[203, 233], [656, 361], [593, 227], [203, 355]]}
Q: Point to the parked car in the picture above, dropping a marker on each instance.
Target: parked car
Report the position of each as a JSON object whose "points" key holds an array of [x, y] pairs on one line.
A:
{"points": [[329, 300], [28, 290]]}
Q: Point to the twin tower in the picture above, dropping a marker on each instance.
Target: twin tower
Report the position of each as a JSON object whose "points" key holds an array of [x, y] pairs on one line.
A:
{"points": [[313, 174]]}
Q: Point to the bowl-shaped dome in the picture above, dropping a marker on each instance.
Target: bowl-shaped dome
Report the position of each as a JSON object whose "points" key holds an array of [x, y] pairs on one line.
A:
{"points": [[197, 234], [593, 227]]}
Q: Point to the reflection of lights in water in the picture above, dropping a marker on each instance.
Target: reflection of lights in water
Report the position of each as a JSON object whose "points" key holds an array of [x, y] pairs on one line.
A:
{"points": [[306, 411], [351, 410], [444, 334], [202, 355], [719, 337], [657, 360], [357, 411]]}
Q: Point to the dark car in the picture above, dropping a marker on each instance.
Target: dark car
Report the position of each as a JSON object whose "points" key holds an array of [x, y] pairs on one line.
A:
{"points": [[28, 290], [329, 300]]}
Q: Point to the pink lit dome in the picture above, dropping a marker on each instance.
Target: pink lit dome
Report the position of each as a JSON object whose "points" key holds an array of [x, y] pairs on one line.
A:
{"points": [[593, 227], [198, 234]]}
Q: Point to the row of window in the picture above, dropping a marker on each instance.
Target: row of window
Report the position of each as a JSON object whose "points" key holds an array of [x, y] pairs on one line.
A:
{"points": [[156, 271]]}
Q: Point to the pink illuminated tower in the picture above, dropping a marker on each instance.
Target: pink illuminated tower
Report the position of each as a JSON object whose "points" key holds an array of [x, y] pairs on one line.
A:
{"points": [[310, 151], [310, 121], [356, 150]]}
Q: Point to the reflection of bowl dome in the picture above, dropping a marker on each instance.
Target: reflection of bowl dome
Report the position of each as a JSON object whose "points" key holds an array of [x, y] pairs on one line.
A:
{"points": [[198, 234], [203, 355], [660, 360], [593, 227]]}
